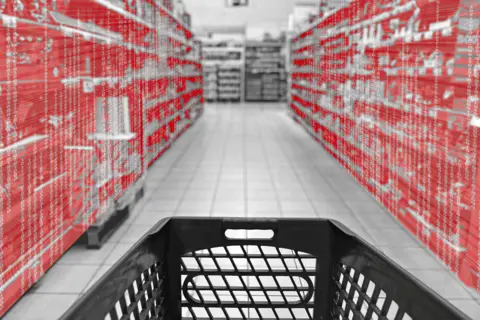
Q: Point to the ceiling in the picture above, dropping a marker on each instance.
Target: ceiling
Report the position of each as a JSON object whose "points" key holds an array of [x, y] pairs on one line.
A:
{"points": [[207, 14]]}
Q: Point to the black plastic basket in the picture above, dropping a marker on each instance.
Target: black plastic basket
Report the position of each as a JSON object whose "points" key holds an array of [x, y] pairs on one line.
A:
{"points": [[193, 268]]}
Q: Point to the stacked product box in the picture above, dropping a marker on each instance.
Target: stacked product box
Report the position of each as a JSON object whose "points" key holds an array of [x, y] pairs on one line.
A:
{"points": [[390, 88], [93, 91]]}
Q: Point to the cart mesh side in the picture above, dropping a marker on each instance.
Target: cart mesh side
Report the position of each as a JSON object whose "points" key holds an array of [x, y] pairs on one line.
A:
{"points": [[144, 298], [357, 297], [248, 282]]}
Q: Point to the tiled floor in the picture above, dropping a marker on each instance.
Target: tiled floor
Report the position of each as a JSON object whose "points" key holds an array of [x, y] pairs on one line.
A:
{"points": [[248, 161]]}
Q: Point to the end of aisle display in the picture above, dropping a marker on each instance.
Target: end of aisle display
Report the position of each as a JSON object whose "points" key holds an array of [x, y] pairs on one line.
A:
{"points": [[93, 93], [391, 90]]}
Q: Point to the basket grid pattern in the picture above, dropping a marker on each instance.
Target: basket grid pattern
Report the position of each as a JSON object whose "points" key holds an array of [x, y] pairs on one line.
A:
{"points": [[248, 282], [357, 297], [144, 298]]}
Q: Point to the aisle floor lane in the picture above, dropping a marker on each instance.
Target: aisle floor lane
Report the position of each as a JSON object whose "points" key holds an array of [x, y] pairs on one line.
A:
{"points": [[240, 161]]}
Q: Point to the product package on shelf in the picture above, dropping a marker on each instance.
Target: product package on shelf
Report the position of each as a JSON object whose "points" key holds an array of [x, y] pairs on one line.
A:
{"points": [[265, 78], [390, 88], [93, 92], [223, 72]]}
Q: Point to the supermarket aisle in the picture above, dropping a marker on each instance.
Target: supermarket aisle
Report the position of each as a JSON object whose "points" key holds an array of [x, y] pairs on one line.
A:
{"points": [[248, 161]]}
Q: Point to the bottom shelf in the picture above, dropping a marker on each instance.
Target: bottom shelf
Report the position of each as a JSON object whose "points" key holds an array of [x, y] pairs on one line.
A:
{"points": [[98, 233]]}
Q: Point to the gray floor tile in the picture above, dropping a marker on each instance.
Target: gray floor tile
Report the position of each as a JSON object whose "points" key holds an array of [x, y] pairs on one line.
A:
{"points": [[119, 233], [139, 206], [230, 197], [228, 207], [359, 231], [168, 194], [330, 207], [288, 184], [230, 188], [172, 185], [413, 258], [297, 206], [62, 279], [359, 196], [299, 214], [317, 183], [394, 238], [262, 206], [98, 275], [442, 282], [203, 185], [236, 167], [354, 195], [118, 252], [192, 214], [34, 306], [292, 195], [229, 214], [231, 184], [475, 294], [176, 180], [135, 233], [347, 220], [193, 206], [206, 176], [264, 214], [258, 168], [377, 220], [152, 185], [261, 195], [202, 197], [341, 179], [151, 217], [310, 174], [232, 175], [157, 205], [283, 172], [80, 255], [322, 195], [365, 207], [265, 184], [259, 178], [470, 307]]}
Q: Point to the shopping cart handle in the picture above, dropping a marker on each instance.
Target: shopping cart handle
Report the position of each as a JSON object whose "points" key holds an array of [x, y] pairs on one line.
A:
{"points": [[250, 224]]}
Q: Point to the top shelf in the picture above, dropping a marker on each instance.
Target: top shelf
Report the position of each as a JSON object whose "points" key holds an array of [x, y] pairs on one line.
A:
{"points": [[111, 6], [169, 13], [129, 15], [315, 23]]}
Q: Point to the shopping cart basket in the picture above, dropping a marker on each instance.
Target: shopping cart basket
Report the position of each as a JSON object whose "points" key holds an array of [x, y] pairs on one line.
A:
{"points": [[214, 268]]}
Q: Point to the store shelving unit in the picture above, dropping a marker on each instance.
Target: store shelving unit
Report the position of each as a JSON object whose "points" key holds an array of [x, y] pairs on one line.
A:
{"points": [[93, 93], [265, 76], [224, 73], [388, 92], [229, 83], [210, 83]]}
